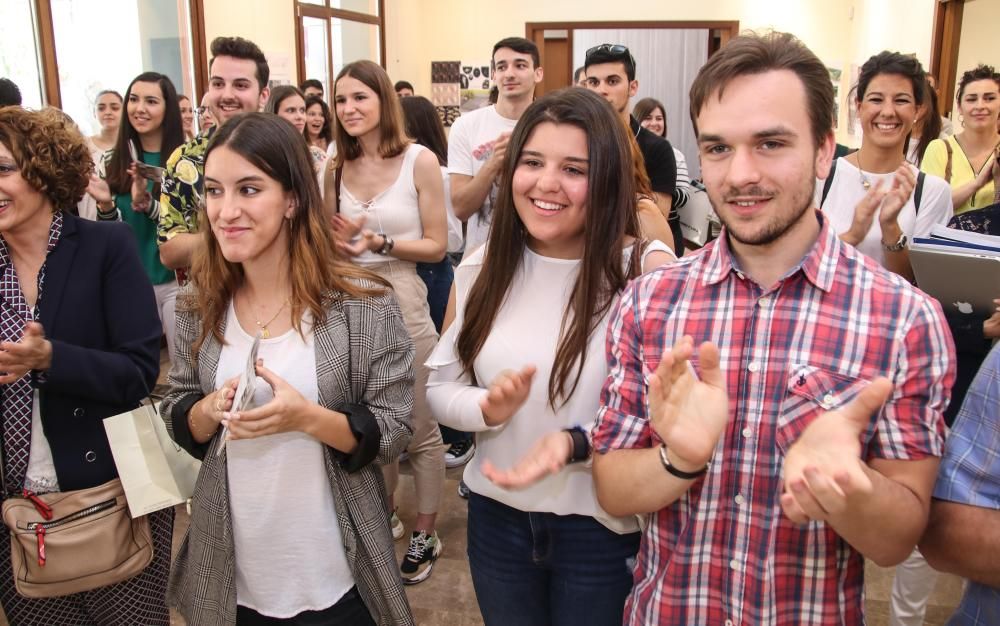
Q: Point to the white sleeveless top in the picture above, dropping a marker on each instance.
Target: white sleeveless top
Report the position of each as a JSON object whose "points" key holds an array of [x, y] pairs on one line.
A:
{"points": [[394, 211]]}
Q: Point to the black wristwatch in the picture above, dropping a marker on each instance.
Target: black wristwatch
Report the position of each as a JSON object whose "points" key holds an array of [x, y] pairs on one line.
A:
{"points": [[387, 244], [581, 445], [679, 473]]}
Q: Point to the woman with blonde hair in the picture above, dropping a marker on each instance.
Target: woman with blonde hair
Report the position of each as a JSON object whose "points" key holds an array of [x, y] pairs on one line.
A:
{"points": [[288, 517]]}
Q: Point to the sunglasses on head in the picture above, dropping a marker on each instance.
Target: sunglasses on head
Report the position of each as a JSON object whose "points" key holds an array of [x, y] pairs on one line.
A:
{"points": [[613, 48]]}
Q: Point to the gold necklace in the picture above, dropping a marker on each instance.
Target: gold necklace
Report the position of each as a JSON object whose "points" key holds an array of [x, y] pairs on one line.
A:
{"points": [[262, 328]]}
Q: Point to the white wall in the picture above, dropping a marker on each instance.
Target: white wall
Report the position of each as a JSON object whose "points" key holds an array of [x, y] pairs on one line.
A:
{"points": [[980, 24], [841, 32], [270, 24]]}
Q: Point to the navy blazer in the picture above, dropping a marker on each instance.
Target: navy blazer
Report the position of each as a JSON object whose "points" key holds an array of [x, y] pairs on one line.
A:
{"points": [[99, 311]]}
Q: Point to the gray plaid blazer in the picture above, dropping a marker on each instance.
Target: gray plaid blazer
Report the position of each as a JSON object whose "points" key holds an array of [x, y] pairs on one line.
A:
{"points": [[364, 356]]}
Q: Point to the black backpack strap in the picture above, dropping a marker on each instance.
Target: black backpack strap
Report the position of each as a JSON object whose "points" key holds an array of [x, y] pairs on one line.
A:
{"points": [[918, 191], [828, 183]]}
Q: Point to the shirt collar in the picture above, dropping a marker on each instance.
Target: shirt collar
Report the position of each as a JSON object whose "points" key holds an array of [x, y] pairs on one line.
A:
{"points": [[55, 232], [819, 265]]}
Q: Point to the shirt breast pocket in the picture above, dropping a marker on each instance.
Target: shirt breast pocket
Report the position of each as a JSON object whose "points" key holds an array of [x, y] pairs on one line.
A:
{"points": [[810, 392]]}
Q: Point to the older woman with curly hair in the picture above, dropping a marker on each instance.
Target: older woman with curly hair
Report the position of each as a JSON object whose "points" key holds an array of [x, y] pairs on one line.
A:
{"points": [[79, 341]]}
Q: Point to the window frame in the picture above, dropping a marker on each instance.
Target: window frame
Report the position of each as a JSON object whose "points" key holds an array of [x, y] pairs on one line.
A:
{"points": [[325, 12], [51, 92]]}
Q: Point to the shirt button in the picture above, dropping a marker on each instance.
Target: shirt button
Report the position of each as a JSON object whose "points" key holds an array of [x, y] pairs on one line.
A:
{"points": [[729, 622], [764, 301], [733, 564], [828, 401], [740, 500], [747, 432], [754, 366]]}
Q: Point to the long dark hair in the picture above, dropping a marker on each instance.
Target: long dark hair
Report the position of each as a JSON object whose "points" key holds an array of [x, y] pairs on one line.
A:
{"points": [[894, 63], [611, 217], [316, 269], [326, 133], [424, 126], [930, 124], [172, 134]]}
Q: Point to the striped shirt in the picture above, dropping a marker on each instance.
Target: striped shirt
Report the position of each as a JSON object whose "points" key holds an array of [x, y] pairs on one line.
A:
{"points": [[724, 553]]}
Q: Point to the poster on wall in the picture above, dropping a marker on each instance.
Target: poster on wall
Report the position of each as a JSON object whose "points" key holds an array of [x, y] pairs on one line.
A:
{"points": [[835, 74], [459, 86], [446, 89], [280, 64], [853, 122], [475, 85]]}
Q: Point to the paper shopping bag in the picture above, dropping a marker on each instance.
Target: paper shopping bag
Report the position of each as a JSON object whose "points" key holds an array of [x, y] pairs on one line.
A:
{"points": [[156, 473]]}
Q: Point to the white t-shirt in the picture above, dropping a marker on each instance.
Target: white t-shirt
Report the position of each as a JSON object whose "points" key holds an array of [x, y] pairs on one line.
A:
{"points": [[289, 551], [470, 144], [846, 191], [525, 331], [395, 211]]}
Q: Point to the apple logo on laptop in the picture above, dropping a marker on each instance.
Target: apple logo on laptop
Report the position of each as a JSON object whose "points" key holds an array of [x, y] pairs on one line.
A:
{"points": [[963, 307]]}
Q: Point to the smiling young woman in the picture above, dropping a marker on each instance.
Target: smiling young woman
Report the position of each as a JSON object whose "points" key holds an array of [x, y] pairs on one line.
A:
{"points": [[332, 407], [969, 159], [150, 131], [872, 195], [387, 198], [522, 365]]}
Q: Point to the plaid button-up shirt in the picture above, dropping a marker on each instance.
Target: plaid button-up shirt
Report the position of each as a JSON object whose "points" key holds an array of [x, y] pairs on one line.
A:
{"points": [[724, 553]]}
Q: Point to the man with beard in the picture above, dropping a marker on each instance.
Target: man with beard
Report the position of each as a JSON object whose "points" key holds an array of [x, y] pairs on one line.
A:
{"points": [[478, 139], [238, 74], [774, 401]]}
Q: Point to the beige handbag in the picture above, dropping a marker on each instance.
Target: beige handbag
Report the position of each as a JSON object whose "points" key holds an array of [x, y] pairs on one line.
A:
{"points": [[72, 541]]}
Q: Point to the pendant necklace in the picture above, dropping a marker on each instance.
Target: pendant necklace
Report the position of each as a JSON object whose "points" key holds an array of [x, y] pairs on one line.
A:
{"points": [[262, 328], [865, 181]]}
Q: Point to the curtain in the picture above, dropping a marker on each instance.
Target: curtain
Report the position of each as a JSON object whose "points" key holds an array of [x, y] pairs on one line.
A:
{"points": [[666, 62]]}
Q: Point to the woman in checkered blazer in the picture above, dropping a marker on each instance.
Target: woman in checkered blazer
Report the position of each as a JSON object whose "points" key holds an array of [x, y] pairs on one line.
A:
{"points": [[289, 517]]}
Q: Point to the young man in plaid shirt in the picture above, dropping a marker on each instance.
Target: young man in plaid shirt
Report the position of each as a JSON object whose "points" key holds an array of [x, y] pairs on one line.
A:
{"points": [[774, 402]]}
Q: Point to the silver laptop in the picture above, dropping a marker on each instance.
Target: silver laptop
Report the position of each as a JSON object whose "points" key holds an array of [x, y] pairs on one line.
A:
{"points": [[964, 282]]}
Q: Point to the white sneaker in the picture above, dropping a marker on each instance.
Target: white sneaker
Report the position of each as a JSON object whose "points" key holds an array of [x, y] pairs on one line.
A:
{"points": [[397, 526]]}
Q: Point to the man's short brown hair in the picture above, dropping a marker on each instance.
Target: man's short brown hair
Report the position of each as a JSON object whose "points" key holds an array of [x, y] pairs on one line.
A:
{"points": [[751, 53]]}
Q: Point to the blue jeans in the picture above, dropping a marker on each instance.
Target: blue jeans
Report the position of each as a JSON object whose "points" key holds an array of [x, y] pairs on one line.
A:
{"points": [[541, 569], [438, 277]]}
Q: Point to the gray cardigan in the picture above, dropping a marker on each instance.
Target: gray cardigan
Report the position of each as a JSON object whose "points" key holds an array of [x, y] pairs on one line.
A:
{"points": [[364, 368]]}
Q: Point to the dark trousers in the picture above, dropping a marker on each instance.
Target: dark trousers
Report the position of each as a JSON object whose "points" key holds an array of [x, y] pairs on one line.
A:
{"points": [[542, 569], [348, 611], [438, 278]]}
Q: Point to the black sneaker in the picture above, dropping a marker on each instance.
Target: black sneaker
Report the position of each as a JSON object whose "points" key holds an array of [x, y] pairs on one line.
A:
{"points": [[459, 453], [419, 560], [463, 490]]}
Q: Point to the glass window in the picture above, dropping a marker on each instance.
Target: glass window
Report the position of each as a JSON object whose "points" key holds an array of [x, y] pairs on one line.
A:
{"points": [[314, 42], [20, 58], [105, 46], [359, 6], [353, 41]]}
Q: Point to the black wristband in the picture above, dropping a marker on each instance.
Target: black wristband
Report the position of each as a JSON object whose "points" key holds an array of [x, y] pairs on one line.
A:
{"points": [[679, 473], [581, 445]]}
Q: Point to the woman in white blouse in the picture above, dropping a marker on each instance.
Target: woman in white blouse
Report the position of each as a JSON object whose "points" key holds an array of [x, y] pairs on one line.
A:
{"points": [[387, 198], [522, 365]]}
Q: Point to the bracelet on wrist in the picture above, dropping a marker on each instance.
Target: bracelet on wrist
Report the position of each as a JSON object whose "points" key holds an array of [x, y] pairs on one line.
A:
{"points": [[679, 473]]}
